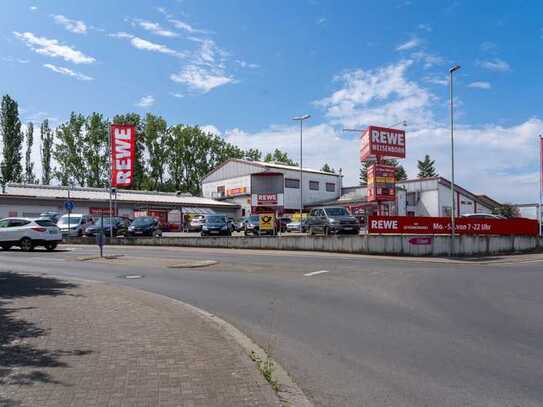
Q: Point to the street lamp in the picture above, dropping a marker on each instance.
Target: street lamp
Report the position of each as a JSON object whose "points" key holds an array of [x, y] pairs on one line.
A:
{"points": [[301, 120], [451, 104]]}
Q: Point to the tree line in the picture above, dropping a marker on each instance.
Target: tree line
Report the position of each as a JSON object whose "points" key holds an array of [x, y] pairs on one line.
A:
{"points": [[168, 158]]}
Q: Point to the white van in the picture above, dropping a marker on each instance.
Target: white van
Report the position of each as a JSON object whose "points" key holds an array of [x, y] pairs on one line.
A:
{"points": [[78, 224]]}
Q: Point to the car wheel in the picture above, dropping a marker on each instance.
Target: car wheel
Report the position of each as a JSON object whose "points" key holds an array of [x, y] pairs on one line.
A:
{"points": [[26, 244], [6, 246], [50, 247]]}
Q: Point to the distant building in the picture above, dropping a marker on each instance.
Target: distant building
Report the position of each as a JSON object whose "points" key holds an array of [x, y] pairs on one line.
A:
{"points": [[260, 186], [31, 200]]}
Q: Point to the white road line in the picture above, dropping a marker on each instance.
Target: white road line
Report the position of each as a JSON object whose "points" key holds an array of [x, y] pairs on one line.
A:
{"points": [[314, 273]]}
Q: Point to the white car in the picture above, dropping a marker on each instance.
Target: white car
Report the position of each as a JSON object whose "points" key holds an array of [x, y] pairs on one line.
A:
{"points": [[29, 233], [78, 224]]}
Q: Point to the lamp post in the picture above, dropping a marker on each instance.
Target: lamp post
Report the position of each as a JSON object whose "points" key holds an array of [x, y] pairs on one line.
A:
{"points": [[301, 120], [451, 104]]}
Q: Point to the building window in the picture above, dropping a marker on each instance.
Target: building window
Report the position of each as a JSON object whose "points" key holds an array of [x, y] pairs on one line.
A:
{"points": [[292, 183], [314, 185], [330, 187]]}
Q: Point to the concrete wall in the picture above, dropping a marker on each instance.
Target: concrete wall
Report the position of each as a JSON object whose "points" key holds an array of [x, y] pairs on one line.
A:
{"points": [[368, 244]]}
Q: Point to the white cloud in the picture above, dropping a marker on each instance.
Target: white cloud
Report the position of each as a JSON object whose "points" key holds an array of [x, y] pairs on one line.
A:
{"points": [[412, 43], [425, 27], [480, 85], [33, 8], [68, 72], [488, 46], [201, 79], [321, 20], [437, 80], [17, 60], [53, 48], [497, 65], [209, 128], [245, 64], [75, 26], [428, 60], [177, 95], [382, 97], [154, 28], [181, 25], [145, 45], [146, 101]]}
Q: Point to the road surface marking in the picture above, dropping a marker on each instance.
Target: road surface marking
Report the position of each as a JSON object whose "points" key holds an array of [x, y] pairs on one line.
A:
{"points": [[314, 273]]}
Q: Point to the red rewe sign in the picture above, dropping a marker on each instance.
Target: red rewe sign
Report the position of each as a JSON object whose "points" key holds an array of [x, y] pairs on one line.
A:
{"points": [[382, 142], [266, 199], [412, 225], [123, 154]]}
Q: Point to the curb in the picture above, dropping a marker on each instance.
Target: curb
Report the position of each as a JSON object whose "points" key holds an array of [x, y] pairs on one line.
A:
{"points": [[289, 393]]}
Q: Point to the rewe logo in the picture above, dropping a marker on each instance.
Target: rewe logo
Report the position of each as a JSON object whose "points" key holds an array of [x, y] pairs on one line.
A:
{"points": [[122, 155], [385, 224], [387, 137]]}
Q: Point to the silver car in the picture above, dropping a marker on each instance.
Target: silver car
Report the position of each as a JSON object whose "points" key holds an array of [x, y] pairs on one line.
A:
{"points": [[76, 226]]}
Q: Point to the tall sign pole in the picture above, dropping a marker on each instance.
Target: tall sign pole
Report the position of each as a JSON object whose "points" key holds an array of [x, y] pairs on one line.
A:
{"points": [[451, 106], [540, 211], [110, 183]]}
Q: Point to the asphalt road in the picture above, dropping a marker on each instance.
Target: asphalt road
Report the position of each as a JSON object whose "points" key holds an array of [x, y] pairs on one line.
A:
{"points": [[354, 330]]}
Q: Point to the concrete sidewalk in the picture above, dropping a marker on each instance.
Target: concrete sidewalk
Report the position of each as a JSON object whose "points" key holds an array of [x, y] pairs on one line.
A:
{"points": [[91, 344]]}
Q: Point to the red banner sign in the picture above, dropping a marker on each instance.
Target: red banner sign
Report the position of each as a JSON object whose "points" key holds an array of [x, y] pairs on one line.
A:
{"points": [[103, 211], [123, 154], [442, 226], [381, 183], [382, 142], [266, 199]]}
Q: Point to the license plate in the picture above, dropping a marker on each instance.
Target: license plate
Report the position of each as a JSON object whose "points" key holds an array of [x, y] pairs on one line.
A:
{"points": [[214, 231], [348, 228], [138, 232]]}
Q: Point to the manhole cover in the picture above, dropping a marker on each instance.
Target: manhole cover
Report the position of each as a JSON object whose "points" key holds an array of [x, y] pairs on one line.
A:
{"points": [[132, 276]]}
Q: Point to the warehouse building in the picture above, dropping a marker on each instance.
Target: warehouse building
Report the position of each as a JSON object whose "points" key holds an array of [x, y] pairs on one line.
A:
{"points": [[260, 186], [417, 197], [32, 200]]}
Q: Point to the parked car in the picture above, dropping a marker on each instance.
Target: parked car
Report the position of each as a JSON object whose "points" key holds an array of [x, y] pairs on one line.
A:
{"points": [[294, 226], [332, 220], [145, 226], [216, 225], [29, 233], [252, 226], [51, 215], [78, 224], [196, 223], [282, 223], [239, 225], [117, 225], [482, 216]]}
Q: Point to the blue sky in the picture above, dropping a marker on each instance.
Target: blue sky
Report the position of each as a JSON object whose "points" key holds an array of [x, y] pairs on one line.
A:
{"points": [[243, 68]]}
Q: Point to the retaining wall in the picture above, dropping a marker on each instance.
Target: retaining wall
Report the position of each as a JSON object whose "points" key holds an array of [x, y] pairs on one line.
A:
{"points": [[365, 244]]}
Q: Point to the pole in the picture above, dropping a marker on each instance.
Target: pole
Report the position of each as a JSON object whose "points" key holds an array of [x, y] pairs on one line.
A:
{"points": [[453, 206], [540, 211], [69, 212], [301, 176], [110, 186]]}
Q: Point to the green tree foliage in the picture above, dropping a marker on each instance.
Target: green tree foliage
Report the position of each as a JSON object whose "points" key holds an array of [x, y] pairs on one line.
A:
{"points": [[95, 150], [69, 151], [46, 135], [253, 154], [12, 137], [155, 136], [327, 168], [29, 177], [279, 157], [426, 167], [507, 210], [140, 180], [364, 172]]}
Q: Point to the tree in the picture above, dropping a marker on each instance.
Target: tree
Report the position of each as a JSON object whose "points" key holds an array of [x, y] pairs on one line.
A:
{"points": [[327, 168], [140, 179], [253, 154], [29, 177], [10, 131], [400, 173], [364, 172], [426, 167], [95, 150], [279, 157], [507, 210], [69, 151], [46, 136], [155, 134]]}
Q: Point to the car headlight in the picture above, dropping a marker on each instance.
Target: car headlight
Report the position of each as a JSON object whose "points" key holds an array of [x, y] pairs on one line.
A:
{"points": [[333, 221]]}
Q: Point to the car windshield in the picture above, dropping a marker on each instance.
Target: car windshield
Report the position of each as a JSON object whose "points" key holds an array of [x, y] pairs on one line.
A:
{"points": [[107, 221], [74, 220], [216, 219], [336, 212], [45, 222], [254, 218], [142, 221]]}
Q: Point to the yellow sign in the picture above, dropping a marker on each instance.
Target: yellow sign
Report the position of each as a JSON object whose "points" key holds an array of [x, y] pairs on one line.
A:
{"points": [[267, 221]]}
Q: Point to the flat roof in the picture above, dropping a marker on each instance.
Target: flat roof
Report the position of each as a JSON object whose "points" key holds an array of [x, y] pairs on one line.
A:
{"points": [[32, 191]]}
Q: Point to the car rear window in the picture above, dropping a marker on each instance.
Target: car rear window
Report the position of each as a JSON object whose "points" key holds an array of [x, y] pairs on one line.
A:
{"points": [[45, 223]]}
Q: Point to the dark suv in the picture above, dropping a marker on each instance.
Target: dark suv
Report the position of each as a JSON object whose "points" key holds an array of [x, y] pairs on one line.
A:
{"points": [[145, 226], [332, 220]]}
